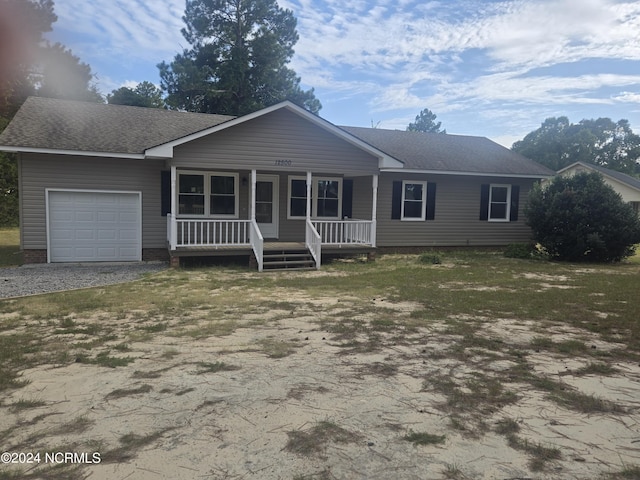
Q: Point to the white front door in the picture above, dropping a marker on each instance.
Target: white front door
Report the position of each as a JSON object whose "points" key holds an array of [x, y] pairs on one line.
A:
{"points": [[267, 208]]}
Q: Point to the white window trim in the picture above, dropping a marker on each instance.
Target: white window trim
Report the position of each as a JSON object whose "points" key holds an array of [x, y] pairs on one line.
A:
{"points": [[423, 215], [314, 197], [508, 209], [207, 193]]}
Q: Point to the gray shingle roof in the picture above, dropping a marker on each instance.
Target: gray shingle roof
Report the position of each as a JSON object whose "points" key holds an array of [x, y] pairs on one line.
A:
{"points": [[50, 124], [93, 127], [448, 153]]}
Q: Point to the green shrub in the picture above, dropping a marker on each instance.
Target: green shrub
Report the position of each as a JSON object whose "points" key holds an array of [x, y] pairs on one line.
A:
{"points": [[429, 258], [581, 218]]}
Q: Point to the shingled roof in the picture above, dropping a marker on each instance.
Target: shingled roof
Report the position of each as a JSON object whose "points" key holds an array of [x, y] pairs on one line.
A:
{"points": [[633, 182], [51, 124], [440, 152]]}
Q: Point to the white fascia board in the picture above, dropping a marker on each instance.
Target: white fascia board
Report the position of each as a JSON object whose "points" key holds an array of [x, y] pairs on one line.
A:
{"points": [[467, 174], [389, 163], [166, 150], [135, 156], [569, 167]]}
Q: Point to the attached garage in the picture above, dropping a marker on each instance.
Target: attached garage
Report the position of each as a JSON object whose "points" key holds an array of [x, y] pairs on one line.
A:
{"points": [[94, 226]]}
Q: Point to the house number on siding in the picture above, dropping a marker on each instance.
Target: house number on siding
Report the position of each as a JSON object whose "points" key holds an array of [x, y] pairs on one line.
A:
{"points": [[283, 163]]}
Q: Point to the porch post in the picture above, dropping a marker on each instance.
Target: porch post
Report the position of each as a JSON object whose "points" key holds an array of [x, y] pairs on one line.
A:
{"points": [[253, 194], [374, 211], [173, 241], [309, 196]]}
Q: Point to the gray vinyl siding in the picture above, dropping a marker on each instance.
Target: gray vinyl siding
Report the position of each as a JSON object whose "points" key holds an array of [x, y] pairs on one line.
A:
{"points": [[39, 172], [265, 142], [362, 198], [457, 214]]}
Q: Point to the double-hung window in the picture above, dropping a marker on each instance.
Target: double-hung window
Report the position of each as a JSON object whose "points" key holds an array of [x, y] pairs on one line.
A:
{"points": [[326, 197], [191, 194], [297, 197], [208, 194], [414, 205], [222, 195], [499, 203]]}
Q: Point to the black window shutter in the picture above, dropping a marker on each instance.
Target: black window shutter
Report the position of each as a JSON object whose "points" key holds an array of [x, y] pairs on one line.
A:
{"points": [[515, 202], [165, 192], [431, 201], [484, 201], [396, 200], [347, 198]]}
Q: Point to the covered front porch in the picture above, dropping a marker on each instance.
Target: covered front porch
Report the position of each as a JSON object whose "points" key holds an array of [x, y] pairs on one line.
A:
{"points": [[295, 235]]}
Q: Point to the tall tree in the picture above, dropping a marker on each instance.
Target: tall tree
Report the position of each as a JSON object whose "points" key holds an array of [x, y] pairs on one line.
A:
{"points": [[23, 24], [145, 94], [61, 74], [559, 143], [29, 65], [237, 61], [426, 122]]}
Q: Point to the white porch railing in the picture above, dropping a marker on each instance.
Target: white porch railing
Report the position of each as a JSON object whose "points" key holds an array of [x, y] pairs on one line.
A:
{"points": [[207, 233], [257, 243], [346, 232], [246, 233], [313, 242]]}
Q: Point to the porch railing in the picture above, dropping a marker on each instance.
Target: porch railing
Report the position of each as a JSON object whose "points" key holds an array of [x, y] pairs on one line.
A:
{"points": [[257, 243], [346, 232], [207, 233], [313, 242]]}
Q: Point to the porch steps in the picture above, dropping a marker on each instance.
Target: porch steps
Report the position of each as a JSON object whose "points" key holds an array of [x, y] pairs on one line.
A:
{"points": [[298, 259]]}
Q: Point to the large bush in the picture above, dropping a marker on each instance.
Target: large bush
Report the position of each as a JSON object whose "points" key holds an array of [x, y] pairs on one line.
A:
{"points": [[581, 218]]}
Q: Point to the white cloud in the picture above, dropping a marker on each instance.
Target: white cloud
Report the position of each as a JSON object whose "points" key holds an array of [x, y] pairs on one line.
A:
{"points": [[515, 35], [627, 97], [455, 57], [139, 29]]}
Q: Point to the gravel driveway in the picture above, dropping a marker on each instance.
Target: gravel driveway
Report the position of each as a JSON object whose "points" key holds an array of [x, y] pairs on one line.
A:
{"points": [[51, 277]]}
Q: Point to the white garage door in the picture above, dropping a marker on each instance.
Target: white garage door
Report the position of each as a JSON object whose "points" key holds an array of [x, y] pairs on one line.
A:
{"points": [[94, 226]]}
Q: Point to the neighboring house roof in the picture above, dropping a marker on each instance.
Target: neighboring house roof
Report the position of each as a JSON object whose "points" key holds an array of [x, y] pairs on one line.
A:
{"points": [[69, 127], [46, 124], [444, 153], [619, 176]]}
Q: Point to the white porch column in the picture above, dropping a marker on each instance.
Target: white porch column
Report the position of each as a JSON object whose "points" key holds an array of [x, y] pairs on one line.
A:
{"points": [[309, 196], [253, 194], [374, 211], [173, 241]]}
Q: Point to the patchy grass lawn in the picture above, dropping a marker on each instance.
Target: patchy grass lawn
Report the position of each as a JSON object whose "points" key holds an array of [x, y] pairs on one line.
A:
{"points": [[10, 254], [475, 367]]}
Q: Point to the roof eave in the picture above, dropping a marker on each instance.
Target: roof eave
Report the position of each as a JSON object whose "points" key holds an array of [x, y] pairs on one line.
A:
{"points": [[53, 151], [465, 173]]}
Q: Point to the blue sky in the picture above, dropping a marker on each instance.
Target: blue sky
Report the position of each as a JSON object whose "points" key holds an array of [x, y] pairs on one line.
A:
{"points": [[489, 68]]}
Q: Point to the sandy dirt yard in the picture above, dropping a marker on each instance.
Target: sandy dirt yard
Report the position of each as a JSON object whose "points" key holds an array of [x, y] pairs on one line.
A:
{"points": [[324, 387]]}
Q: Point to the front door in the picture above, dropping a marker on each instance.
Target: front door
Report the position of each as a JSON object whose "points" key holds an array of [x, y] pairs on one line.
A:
{"points": [[267, 208]]}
